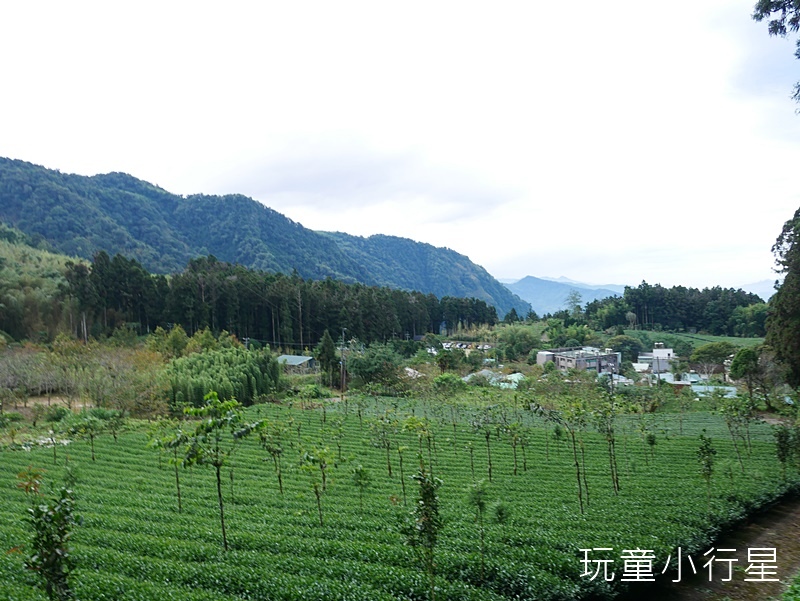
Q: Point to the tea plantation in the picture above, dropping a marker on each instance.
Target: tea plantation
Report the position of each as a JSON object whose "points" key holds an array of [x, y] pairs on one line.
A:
{"points": [[134, 544]]}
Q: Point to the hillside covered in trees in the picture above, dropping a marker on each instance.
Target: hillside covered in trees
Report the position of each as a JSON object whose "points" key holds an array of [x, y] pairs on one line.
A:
{"points": [[716, 310], [48, 293], [117, 213]]}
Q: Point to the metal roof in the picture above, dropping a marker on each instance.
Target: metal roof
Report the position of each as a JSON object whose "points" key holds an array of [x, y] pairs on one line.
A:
{"points": [[294, 359]]}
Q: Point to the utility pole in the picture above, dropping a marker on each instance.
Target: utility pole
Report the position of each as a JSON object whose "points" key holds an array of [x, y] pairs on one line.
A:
{"points": [[300, 316], [343, 367]]}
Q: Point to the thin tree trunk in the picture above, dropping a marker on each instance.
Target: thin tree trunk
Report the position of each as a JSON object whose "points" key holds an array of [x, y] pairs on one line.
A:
{"points": [[178, 481], [489, 454], [514, 448], [402, 479], [472, 462], [483, 548], [577, 470], [221, 508], [612, 461], [319, 503], [736, 447], [583, 463]]}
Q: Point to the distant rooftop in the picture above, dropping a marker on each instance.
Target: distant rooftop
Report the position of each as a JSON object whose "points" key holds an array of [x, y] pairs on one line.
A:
{"points": [[294, 359], [584, 351]]}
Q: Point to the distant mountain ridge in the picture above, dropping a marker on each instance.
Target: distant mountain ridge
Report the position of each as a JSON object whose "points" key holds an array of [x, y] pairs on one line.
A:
{"points": [[118, 213], [547, 295], [583, 285], [765, 288]]}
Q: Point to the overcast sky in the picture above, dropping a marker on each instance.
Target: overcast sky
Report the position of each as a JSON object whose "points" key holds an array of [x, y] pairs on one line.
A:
{"points": [[604, 142]]}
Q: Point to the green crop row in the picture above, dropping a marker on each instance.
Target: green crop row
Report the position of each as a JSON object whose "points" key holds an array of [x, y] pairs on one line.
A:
{"points": [[134, 544]]}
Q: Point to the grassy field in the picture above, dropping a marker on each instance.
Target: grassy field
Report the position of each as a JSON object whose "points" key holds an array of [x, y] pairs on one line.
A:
{"points": [[134, 545], [701, 339]]}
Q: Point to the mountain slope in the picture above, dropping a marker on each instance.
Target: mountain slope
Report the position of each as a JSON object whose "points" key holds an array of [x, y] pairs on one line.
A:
{"points": [[118, 213], [388, 258], [548, 296]]}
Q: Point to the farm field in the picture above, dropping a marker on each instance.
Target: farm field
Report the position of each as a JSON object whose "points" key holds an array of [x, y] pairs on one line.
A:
{"points": [[133, 543], [697, 340]]}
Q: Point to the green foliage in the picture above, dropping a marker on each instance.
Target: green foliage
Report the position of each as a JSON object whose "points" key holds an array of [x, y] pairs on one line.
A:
{"points": [[315, 463], [170, 344], [712, 310], [744, 364], [758, 370], [784, 447], [259, 306], [113, 419], [161, 231], [51, 556], [447, 385], [517, 341], [231, 372], [783, 323], [627, 345], [56, 413], [362, 480], [478, 497], [379, 364], [214, 440], [10, 417], [750, 321], [713, 353], [783, 18], [422, 528], [326, 355], [500, 512], [87, 427], [30, 282], [705, 456], [793, 592], [134, 540]]}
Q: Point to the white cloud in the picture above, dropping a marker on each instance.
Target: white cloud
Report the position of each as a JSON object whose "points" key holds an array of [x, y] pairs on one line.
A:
{"points": [[525, 135]]}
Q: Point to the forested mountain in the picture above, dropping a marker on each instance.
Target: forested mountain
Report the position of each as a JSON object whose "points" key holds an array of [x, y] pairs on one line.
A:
{"points": [[403, 263], [118, 213]]}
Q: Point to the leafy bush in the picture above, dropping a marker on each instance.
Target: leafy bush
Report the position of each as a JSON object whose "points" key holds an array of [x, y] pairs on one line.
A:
{"points": [[56, 413], [10, 418]]}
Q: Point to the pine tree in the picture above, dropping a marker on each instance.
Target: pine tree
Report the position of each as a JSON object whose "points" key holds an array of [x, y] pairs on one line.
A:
{"points": [[783, 323], [326, 355]]}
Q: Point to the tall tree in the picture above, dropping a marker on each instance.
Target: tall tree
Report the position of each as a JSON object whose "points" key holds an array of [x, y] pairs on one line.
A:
{"points": [[424, 524], [209, 445], [783, 323], [712, 355], [783, 17], [326, 355]]}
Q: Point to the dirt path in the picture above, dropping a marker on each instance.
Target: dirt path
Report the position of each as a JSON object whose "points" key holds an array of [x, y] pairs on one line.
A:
{"points": [[777, 528]]}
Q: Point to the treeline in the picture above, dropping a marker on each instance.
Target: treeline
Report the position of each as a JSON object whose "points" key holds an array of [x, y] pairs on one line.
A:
{"points": [[718, 311], [275, 309], [118, 213]]}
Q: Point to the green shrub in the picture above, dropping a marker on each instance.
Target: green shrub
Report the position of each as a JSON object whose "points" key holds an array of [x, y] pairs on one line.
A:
{"points": [[56, 413]]}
